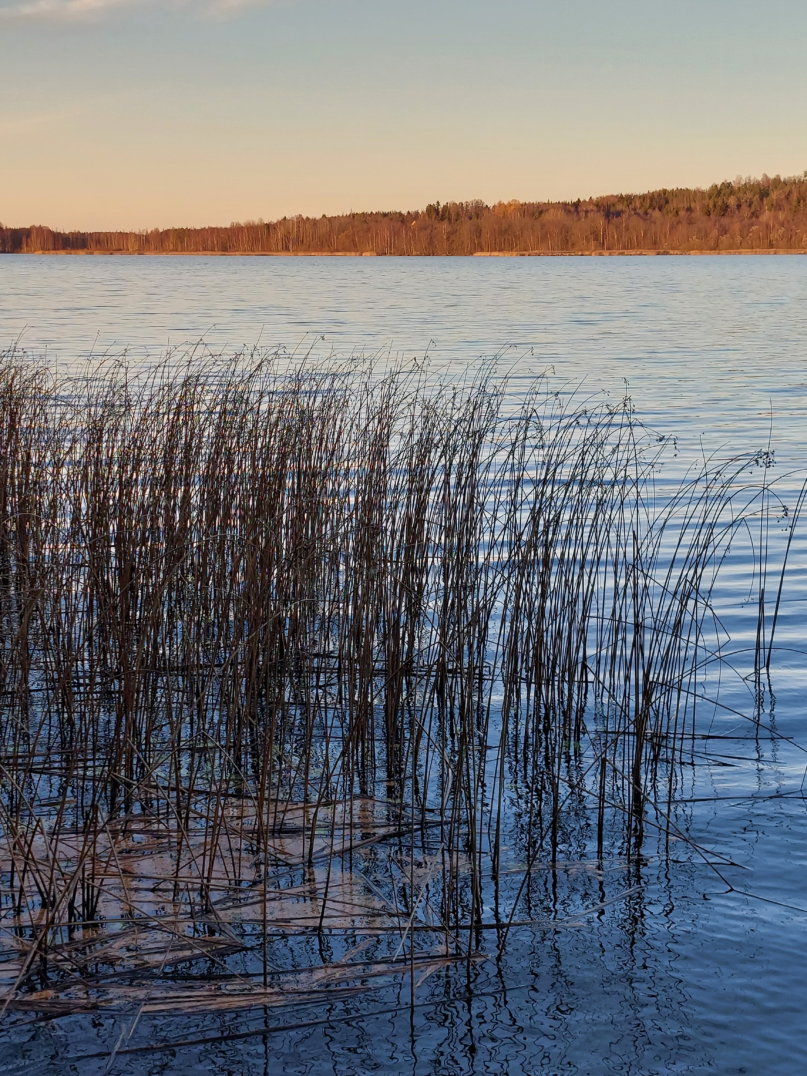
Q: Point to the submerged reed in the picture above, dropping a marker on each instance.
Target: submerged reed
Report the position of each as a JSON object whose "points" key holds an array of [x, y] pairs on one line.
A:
{"points": [[290, 653]]}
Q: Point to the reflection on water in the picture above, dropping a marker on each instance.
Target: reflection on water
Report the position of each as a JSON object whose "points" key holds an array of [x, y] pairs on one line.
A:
{"points": [[706, 344], [698, 968]]}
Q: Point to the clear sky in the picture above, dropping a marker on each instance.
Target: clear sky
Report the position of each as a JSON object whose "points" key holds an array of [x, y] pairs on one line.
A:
{"points": [[137, 113]]}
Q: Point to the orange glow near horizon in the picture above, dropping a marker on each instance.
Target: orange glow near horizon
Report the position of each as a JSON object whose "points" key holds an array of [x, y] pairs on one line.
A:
{"points": [[125, 114]]}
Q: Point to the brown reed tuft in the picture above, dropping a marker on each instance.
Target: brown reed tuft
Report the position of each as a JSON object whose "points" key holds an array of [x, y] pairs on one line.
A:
{"points": [[289, 652]]}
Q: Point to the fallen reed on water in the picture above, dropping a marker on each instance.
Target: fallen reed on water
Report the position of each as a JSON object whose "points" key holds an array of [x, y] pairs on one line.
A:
{"points": [[289, 653]]}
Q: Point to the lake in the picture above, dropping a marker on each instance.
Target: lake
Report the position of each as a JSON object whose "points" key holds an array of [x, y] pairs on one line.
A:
{"points": [[700, 968]]}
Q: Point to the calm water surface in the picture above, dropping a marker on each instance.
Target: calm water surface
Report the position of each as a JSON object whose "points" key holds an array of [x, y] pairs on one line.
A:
{"points": [[689, 974]]}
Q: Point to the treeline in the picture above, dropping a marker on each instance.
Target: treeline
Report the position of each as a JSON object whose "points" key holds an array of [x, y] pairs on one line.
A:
{"points": [[746, 214]]}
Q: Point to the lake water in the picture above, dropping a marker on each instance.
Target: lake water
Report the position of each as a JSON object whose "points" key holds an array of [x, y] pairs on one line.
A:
{"points": [[689, 974], [708, 345]]}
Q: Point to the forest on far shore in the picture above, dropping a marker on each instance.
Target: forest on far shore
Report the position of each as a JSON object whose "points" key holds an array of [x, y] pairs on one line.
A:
{"points": [[769, 213]]}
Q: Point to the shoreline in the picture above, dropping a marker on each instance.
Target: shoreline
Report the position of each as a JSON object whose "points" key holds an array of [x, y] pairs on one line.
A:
{"points": [[375, 254]]}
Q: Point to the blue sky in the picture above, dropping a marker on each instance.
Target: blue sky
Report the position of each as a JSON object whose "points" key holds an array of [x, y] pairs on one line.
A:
{"points": [[132, 113]]}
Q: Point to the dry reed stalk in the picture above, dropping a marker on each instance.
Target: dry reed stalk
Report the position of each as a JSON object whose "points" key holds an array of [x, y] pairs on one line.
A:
{"points": [[292, 653]]}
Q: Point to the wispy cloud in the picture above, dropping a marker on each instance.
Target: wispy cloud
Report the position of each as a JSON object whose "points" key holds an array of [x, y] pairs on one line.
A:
{"points": [[24, 124], [62, 10], [43, 11]]}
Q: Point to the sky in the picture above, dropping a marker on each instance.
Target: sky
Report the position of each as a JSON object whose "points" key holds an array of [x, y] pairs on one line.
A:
{"points": [[140, 114]]}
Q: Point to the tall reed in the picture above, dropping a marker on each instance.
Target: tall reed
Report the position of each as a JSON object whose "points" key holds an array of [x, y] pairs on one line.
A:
{"points": [[257, 620]]}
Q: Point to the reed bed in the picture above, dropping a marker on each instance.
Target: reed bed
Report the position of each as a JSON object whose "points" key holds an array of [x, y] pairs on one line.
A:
{"points": [[328, 659]]}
